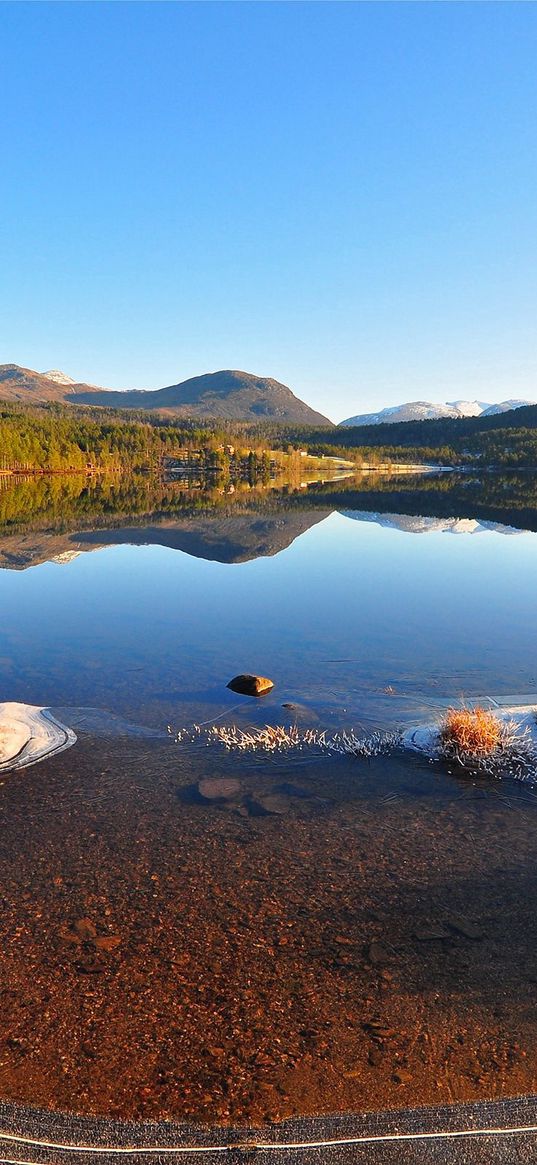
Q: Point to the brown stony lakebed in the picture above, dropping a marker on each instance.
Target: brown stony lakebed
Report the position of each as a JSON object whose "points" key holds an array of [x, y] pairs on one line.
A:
{"points": [[364, 938]]}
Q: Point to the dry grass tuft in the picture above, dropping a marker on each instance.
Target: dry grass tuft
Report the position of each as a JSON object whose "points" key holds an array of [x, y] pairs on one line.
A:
{"points": [[479, 742], [472, 732]]}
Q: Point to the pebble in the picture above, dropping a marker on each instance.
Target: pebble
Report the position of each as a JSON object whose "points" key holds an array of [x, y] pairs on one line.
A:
{"points": [[377, 954], [402, 1076], [85, 929]]}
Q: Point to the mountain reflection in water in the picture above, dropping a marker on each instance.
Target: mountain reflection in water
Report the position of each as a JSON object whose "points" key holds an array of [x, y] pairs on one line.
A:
{"points": [[55, 518]]}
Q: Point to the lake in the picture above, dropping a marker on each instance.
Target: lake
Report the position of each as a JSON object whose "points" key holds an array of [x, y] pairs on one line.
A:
{"points": [[342, 932]]}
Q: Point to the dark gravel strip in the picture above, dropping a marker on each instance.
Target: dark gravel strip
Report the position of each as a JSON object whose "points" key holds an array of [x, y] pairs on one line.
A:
{"points": [[269, 1145]]}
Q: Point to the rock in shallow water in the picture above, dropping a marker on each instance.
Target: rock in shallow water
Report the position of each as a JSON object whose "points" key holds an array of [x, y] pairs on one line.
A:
{"points": [[272, 804], [248, 685], [300, 713], [219, 788], [377, 954], [290, 790]]}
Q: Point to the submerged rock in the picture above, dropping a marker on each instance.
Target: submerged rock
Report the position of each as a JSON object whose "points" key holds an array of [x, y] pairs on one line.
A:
{"points": [[107, 942], [430, 934], [377, 954], [300, 713], [101, 722], [219, 788], [270, 805], [248, 685], [463, 926], [290, 790], [402, 1076]]}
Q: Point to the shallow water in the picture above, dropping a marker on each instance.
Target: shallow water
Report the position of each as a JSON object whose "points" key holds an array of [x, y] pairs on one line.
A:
{"points": [[336, 933], [372, 943]]}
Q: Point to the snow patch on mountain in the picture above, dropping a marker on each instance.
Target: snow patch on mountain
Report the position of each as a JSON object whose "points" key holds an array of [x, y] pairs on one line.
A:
{"points": [[413, 524], [58, 377], [504, 406], [467, 408], [424, 410]]}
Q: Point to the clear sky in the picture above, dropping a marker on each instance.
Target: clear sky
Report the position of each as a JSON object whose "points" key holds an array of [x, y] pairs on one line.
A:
{"points": [[339, 195]]}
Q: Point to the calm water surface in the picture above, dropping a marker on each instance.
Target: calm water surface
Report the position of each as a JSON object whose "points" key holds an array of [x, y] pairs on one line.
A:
{"points": [[338, 934], [349, 608]]}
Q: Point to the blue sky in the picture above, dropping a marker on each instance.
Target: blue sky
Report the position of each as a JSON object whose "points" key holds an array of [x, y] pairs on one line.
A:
{"points": [[342, 196]]}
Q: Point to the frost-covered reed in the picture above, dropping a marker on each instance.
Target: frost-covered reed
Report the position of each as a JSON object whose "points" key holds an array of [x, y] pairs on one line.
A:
{"points": [[476, 741], [276, 738]]}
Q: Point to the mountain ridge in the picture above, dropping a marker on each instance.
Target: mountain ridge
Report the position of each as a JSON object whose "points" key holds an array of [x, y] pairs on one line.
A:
{"points": [[423, 410], [229, 394], [28, 386]]}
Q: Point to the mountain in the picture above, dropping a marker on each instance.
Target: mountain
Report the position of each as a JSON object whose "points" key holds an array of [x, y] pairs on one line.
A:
{"points": [[58, 377], [232, 539], [423, 410], [217, 539], [409, 524], [31, 387], [505, 406], [235, 396]]}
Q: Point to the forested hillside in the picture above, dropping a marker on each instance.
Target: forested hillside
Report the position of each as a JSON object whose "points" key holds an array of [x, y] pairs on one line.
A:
{"points": [[442, 430], [59, 438], [508, 438]]}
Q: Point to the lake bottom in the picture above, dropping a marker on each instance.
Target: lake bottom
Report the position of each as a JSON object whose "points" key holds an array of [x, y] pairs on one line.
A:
{"points": [[336, 935]]}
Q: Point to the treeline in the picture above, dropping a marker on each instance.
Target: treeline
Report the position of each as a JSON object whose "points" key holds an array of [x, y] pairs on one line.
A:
{"points": [[503, 496], [434, 433], [60, 438], [506, 439], [62, 502]]}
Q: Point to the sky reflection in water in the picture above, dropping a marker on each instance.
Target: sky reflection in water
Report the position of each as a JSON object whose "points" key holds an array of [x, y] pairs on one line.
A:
{"points": [[350, 608]]}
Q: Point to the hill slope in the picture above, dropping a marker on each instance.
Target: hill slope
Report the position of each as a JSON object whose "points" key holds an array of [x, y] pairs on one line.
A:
{"points": [[30, 387], [236, 396], [232, 395]]}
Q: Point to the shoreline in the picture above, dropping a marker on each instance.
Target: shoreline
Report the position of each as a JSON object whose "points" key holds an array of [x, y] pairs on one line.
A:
{"points": [[336, 1132]]}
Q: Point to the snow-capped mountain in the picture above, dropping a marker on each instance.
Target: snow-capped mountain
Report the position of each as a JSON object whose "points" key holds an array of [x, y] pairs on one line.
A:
{"points": [[504, 407], [424, 410], [58, 377], [411, 524]]}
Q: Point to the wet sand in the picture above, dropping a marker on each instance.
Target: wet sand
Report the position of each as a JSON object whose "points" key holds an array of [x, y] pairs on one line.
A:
{"points": [[369, 942]]}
